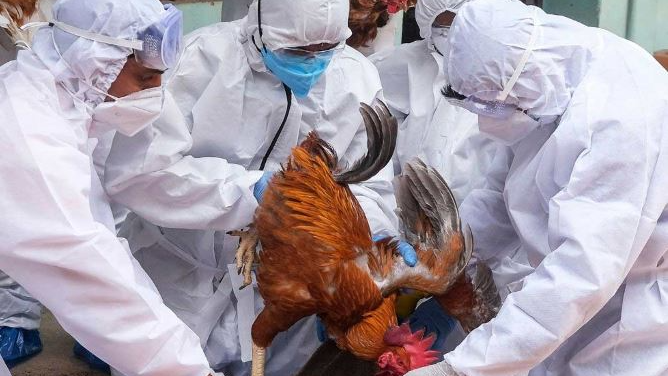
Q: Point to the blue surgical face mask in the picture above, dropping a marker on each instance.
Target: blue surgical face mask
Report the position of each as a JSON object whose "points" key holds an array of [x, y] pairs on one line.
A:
{"points": [[299, 73]]}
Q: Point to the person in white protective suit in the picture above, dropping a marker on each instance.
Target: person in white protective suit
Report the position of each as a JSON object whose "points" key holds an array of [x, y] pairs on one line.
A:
{"points": [[88, 72], [444, 136], [20, 314], [582, 185], [237, 9], [198, 172]]}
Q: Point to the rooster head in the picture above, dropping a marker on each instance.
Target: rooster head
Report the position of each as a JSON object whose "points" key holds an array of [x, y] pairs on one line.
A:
{"points": [[408, 351]]}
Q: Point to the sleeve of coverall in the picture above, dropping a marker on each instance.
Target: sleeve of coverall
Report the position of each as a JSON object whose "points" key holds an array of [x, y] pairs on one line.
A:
{"points": [[376, 195], [151, 175], [597, 228], [77, 267], [484, 210], [391, 66]]}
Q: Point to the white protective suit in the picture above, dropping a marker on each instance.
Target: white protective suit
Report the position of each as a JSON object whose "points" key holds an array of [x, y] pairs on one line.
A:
{"points": [[586, 197], [190, 178], [386, 38], [17, 308], [4, 371], [57, 229], [446, 137], [237, 9]]}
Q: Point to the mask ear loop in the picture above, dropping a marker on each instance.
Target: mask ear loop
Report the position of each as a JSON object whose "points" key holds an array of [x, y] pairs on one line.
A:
{"points": [[259, 26], [288, 92], [81, 33], [523, 61]]}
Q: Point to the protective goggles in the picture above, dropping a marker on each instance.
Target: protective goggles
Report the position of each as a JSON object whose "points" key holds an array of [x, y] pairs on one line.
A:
{"points": [[157, 47], [301, 52], [493, 103]]}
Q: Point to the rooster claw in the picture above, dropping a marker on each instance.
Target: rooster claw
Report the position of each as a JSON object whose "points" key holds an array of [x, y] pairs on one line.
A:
{"points": [[246, 253]]}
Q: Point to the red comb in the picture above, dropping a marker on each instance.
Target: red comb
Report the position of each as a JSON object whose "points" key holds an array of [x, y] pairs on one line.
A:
{"points": [[416, 345], [393, 6]]}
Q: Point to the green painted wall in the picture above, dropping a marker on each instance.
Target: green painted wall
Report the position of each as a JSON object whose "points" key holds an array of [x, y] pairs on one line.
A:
{"points": [[585, 11], [647, 23], [614, 16], [642, 21], [198, 14]]}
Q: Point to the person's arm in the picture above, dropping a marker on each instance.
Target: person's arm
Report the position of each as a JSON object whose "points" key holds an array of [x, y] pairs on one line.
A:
{"points": [[152, 175], [77, 267], [376, 196], [598, 225], [393, 72], [485, 211]]}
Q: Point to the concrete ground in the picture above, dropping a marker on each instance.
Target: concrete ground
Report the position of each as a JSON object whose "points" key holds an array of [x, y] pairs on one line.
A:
{"points": [[57, 358]]}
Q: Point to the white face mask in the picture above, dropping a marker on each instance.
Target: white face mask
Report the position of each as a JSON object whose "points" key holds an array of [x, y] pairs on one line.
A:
{"points": [[130, 114], [508, 131], [439, 38]]}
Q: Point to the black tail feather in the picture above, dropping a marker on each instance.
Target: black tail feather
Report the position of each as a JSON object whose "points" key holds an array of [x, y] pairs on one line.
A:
{"points": [[422, 192], [381, 129]]}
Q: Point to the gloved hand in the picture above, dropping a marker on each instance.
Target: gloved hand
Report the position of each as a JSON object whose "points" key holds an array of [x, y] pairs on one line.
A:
{"points": [[431, 317], [261, 185], [406, 250], [321, 331], [408, 253], [18, 345], [439, 369]]}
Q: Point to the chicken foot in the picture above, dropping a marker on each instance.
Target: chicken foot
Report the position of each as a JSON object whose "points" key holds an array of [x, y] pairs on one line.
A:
{"points": [[257, 368], [246, 253]]}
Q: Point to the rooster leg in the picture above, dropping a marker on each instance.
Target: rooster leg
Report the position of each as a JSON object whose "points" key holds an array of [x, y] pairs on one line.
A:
{"points": [[246, 253], [258, 360]]}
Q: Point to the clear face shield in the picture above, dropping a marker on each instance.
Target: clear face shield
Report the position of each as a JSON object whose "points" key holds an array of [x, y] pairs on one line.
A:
{"points": [[162, 42], [157, 47], [493, 103]]}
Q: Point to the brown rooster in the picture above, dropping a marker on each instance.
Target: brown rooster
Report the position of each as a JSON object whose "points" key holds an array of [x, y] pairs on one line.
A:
{"points": [[473, 298], [367, 16], [318, 256]]}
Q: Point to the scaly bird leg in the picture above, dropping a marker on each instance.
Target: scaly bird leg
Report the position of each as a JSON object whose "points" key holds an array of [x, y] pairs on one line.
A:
{"points": [[258, 360], [246, 253]]}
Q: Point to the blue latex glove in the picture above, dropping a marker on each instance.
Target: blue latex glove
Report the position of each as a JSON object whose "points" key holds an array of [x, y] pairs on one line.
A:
{"points": [[261, 185], [89, 358], [408, 253], [431, 317], [18, 345], [406, 250], [321, 330]]}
